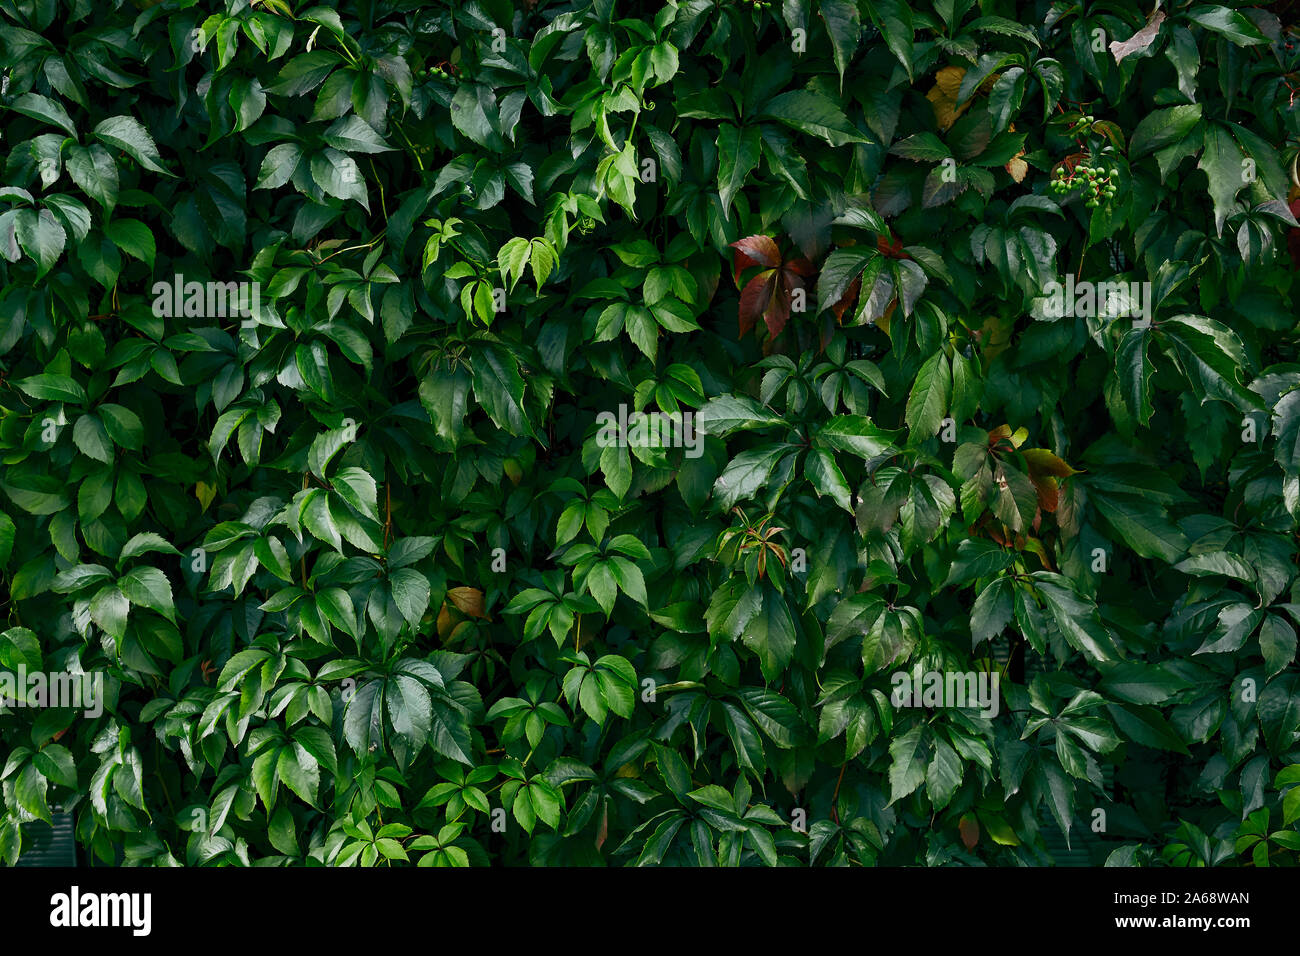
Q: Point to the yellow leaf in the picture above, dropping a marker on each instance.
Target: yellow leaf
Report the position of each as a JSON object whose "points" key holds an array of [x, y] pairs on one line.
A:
{"points": [[1017, 167], [943, 96], [883, 321], [205, 493], [1042, 461], [995, 336], [998, 829]]}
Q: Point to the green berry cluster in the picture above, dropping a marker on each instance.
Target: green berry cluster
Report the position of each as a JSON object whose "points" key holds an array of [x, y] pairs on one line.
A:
{"points": [[432, 71], [1097, 184]]}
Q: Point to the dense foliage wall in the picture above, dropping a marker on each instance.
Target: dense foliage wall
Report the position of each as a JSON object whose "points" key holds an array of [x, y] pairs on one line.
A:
{"points": [[966, 338]]}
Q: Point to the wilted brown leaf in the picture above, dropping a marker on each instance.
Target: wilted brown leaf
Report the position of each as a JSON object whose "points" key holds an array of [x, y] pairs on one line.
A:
{"points": [[943, 96], [467, 600], [1017, 167], [1140, 40]]}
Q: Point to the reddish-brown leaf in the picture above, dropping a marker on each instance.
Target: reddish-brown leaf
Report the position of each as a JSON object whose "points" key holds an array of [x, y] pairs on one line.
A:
{"points": [[800, 267], [847, 299], [1000, 434], [970, 831], [755, 251], [1049, 494], [467, 600], [754, 299], [894, 249], [777, 313]]}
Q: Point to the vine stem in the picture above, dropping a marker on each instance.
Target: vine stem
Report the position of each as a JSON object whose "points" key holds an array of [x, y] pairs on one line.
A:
{"points": [[302, 561], [388, 513], [166, 796], [401, 132], [835, 797]]}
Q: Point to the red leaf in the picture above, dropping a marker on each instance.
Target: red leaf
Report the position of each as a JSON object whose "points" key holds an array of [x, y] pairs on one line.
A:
{"points": [[894, 250], [800, 266], [1049, 495], [602, 831], [847, 299], [777, 313], [970, 831], [754, 299], [755, 251]]}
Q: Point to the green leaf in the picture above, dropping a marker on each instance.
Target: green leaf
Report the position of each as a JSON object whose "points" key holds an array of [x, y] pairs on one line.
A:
{"points": [[1227, 22], [53, 388], [1222, 164], [129, 135], [109, 608], [931, 394], [774, 715], [513, 258], [352, 134], [148, 587], [908, 755], [746, 474], [992, 612], [770, 634], [1146, 726], [838, 272], [856, 434], [29, 792], [1165, 127], [1141, 524], [41, 237], [1075, 617], [1133, 370], [278, 166], [1277, 641], [338, 175], [726, 414], [543, 259], [44, 109], [132, 237], [499, 388], [93, 169], [738, 154], [91, 438], [814, 114], [827, 478], [844, 28], [1212, 357]]}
